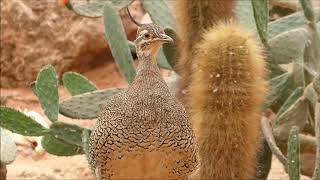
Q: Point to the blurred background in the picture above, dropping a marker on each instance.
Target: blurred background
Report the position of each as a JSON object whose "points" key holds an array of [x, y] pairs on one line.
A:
{"points": [[36, 33]]}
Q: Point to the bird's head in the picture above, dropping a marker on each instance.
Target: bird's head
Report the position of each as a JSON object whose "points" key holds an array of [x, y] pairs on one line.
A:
{"points": [[149, 39]]}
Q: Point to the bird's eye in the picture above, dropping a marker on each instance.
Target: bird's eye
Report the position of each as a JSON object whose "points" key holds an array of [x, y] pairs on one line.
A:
{"points": [[147, 35]]}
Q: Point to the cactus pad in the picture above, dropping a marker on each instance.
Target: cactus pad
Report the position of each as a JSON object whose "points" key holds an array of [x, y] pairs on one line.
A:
{"points": [[296, 115], [281, 88], [169, 49], [288, 46], [67, 132], [159, 13], [296, 94], [19, 123], [47, 91], [77, 84], [58, 147], [287, 23], [261, 16], [115, 35], [87, 106]]}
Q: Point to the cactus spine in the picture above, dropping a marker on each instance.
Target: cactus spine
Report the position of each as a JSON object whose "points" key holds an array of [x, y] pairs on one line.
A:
{"points": [[226, 91], [193, 18], [222, 85]]}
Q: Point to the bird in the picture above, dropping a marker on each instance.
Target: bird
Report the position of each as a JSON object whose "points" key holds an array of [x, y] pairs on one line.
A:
{"points": [[144, 132]]}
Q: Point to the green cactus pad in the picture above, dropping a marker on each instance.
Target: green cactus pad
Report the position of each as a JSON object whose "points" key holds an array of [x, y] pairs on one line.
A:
{"points": [[77, 83], [311, 94], [281, 88], [296, 94], [288, 46], [85, 141], [69, 133], [293, 21], [58, 147], [261, 15], [8, 148], [169, 49], [19, 123], [162, 60], [95, 8], [47, 91], [307, 9], [132, 47], [159, 13], [244, 15], [273, 70], [316, 83], [87, 106], [293, 154], [296, 115], [116, 38]]}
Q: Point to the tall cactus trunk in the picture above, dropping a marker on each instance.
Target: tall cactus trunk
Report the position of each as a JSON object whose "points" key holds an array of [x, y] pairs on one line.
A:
{"points": [[193, 19]]}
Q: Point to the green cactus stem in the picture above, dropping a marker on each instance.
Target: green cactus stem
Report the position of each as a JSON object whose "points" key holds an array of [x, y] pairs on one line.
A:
{"points": [[293, 154]]}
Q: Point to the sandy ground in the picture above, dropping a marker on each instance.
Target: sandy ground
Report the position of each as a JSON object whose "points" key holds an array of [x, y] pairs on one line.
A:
{"points": [[29, 165]]}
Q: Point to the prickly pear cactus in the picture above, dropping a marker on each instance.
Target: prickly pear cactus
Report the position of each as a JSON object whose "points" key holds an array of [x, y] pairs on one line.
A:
{"points": [[8, 148]]}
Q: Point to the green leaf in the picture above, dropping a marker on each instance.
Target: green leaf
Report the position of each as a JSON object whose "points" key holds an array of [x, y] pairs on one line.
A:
{"points": [[59, 147], [47, 92], [293, 21], [77, 84], [88, 105], [281, 88], [295, 95], [115, 35], [293, 154], [169, 49], [159, 13], [288, 46], [94, 8], [307, 9], [261, 15], [19, 123], [69, 133], [244, 14]]}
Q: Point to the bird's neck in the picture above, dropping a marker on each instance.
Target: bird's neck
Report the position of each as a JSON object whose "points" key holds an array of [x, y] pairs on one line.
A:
{"points": [[147, 62]]}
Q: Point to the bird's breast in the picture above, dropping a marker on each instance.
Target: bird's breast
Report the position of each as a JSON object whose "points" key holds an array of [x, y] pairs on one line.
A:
{"points": [[145, 164]]}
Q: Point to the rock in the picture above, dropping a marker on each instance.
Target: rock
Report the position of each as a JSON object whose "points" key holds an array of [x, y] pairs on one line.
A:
{"points": [[36, 33], [292, 4]]}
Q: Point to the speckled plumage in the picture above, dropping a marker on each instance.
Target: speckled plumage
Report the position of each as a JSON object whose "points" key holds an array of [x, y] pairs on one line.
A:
{"points": [[143, 133]]}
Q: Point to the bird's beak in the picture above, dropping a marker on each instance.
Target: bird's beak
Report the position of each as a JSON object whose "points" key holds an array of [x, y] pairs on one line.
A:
{"points": [[165, 38]]}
